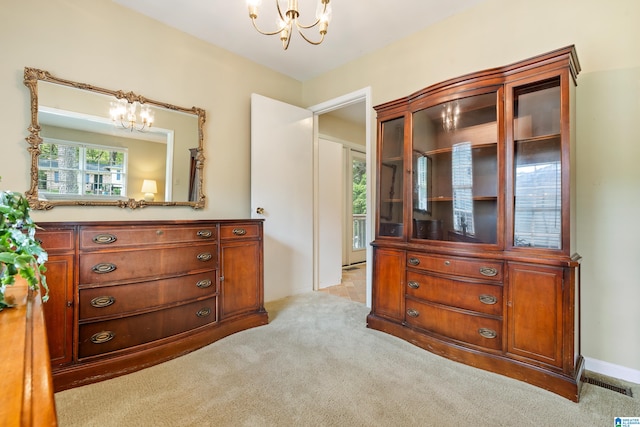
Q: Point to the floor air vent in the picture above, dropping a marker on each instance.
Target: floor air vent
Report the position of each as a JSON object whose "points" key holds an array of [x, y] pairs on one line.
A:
{"points": [[622, 390]]}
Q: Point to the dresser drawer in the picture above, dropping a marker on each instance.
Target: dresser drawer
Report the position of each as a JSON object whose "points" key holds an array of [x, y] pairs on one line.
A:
{"points": [[465, 327], [481, 269], [56, 239], [93, 238], [106, 267], [105, 301], [239, 231], [480, 297], [111, 335]]}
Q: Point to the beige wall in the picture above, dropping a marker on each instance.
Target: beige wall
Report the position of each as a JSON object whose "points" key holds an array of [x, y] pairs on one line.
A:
{"points": [[343, 130], [84, 41], [500, 32], [104, 44]]}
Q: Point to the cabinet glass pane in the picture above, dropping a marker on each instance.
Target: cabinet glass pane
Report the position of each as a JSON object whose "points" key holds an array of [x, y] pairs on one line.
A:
{"points": [[455, 171], [538, 168], [391, 168]]}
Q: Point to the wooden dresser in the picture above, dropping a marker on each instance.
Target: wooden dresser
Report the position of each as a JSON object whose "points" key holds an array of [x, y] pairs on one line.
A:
{"points": [[127, 295]]}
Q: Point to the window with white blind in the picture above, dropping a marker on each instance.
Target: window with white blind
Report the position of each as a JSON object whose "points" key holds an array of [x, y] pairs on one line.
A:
{"points": [[462, 186], [538, 205]]}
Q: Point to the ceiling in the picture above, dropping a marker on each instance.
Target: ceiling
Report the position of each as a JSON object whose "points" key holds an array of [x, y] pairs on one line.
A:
{"points": [[357, 28]]}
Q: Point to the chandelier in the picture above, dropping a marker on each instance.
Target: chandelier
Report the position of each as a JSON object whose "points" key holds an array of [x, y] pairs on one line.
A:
{"points": [[450, 116], [289, 19], [123, 112]]}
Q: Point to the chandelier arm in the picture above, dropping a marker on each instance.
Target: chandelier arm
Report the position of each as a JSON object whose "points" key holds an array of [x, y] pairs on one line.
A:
{"points": [[263, 32], [280, 11], [311, 41], [306, 27]]}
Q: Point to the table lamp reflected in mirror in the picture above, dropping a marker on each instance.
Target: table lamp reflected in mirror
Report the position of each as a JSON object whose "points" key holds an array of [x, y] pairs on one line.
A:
{"points": [[149, 188]]}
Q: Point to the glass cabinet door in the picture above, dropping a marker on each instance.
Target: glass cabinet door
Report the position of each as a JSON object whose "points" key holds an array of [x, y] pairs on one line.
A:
{"points": [[537, 205], [391, 175], [455, 170]]}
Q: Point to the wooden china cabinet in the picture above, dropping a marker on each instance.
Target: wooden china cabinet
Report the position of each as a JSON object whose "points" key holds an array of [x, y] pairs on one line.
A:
{"points": [[474, 255]]}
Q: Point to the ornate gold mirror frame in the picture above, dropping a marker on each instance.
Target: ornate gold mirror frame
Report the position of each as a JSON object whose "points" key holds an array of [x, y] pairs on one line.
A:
{"points": [[195, 194]]}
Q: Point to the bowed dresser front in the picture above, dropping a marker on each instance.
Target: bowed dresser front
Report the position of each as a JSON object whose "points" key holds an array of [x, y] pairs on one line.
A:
{"points": [[128, 295]]}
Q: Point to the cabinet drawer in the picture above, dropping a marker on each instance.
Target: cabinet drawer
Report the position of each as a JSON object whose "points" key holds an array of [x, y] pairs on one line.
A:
{"points": [[487, 270], [105, 267], [465, 327], [120, 299], [239, 231], [480, 297], [119, 237], [56, 239], [111, 335]]}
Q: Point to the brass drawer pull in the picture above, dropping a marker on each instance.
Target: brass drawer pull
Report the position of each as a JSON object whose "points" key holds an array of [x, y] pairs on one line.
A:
{"points": [[487, 333], [488, 271], [104, 239], [203, 312], [204, 256], [487, 299], [239, 231], [414, 261], [204, 234], [413, 285], [102, 301], [204, 283], [413, 313], [447, 263], [104, 267], [102, 337]]}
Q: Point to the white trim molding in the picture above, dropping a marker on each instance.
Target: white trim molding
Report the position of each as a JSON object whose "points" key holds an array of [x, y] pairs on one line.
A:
{"points": [[612, 370]]}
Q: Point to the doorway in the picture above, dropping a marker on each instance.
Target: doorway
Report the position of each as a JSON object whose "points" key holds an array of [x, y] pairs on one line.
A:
{"points": [[351, 126]]}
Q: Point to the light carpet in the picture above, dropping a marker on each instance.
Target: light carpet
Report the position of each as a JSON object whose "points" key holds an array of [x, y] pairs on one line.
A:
{"points": [[317, 364]]}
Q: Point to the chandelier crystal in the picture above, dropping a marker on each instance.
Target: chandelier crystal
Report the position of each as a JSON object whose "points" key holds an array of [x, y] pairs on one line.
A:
{"points": [[289, 20], [123, 112]]}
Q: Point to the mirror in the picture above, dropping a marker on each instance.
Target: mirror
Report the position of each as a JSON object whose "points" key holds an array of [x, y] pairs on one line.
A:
{"points": [[82, 154]]}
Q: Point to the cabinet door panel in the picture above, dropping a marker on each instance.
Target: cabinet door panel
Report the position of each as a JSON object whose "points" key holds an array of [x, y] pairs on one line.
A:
{"points": [[240, 278], [58, 310], [535, 312], [391, 175], [388, 283]]}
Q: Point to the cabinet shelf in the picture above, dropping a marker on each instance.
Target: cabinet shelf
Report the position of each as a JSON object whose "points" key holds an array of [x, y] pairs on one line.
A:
{"points": [[448, 150], [391, 161], [540, 138], [475, 198]]}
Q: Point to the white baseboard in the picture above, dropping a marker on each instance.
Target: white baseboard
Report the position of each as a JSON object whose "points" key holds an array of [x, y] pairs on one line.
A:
{"points": [[611, 370]]}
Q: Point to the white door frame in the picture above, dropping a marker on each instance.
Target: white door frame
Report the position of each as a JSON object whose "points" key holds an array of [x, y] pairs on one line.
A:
{"points": [[325, 107]]}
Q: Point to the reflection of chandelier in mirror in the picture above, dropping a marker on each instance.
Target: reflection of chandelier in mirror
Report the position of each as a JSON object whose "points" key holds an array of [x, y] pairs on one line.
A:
{"points": [[288, 19], [124, 113], [450, 116]]}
